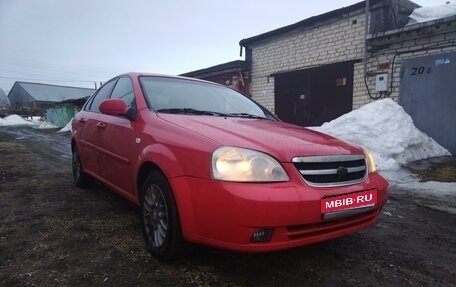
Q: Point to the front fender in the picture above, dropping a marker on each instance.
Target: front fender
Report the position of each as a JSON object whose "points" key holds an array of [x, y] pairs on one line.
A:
{"points": [[162, 157]]}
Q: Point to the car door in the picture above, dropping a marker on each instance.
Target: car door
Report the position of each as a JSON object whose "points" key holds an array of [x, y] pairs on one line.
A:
{"points": [[118, 138], [89, 136]]}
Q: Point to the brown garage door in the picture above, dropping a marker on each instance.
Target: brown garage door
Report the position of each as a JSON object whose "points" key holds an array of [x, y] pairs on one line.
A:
{"points": [[313, 96]]}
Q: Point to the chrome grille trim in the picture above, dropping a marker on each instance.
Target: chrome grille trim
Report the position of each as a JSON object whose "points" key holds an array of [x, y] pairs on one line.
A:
{"points": [[332, 170], [327, 158]]}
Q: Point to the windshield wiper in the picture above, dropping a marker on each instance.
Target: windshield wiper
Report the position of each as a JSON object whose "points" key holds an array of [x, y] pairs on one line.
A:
{"points": [[246, 115], [189, 111]]}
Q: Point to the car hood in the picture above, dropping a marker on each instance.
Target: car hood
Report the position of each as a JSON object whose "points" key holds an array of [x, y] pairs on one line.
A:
{"points": [[281, 140]]}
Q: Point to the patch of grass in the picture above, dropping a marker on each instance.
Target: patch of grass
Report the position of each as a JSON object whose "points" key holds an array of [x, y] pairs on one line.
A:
{"points": [[438, 170]]}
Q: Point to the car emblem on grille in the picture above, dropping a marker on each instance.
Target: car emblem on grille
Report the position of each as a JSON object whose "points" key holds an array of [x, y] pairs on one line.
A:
{"points": [[342, 172]]}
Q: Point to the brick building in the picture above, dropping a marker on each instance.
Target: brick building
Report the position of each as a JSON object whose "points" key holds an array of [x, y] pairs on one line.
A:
{"points": [[322, 67], [313, 71]]}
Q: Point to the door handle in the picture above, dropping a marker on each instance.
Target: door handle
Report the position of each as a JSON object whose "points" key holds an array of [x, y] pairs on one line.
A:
{"points": [[101, 125]]}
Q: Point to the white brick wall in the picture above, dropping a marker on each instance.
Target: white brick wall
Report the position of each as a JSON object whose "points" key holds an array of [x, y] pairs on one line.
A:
{"points": [[331, 42], [425, 40], [336, 41]]}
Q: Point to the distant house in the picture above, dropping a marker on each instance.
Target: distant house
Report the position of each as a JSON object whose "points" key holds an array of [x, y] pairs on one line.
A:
{"points": [[234, 74], [36, 96], [57, 103]]}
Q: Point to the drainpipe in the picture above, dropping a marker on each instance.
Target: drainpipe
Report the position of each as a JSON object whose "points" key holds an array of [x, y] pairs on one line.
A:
{"points": [[366, 31]]}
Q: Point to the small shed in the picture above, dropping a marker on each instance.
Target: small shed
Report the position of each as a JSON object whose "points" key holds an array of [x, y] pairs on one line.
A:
{"points": [[60, 114]]}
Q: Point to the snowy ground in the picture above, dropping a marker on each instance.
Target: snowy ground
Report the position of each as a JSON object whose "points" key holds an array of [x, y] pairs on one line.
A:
{"points": [[384, 128], [15, 120], [35, 122]]}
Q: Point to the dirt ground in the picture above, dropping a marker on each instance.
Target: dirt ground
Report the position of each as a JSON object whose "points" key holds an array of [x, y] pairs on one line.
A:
{"points": [[54, 234]]}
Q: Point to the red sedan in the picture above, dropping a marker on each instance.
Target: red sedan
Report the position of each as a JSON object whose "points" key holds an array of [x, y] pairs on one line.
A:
{"points": [[208, 165]]}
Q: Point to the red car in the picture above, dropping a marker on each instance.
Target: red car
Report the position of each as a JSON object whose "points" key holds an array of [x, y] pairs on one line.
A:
{"points": [[208, 165]]}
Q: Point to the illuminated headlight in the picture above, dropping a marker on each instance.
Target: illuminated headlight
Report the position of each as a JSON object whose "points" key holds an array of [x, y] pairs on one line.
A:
{"points": [[370, 161], [239, 164]]}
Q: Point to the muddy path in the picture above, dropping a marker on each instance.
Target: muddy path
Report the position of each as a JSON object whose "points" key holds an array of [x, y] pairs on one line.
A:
{"points": [[54, 234]]}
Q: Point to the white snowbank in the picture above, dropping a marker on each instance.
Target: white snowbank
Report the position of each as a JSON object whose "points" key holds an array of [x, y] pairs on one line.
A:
{"points": [[37, 120], [384, 128], [67, 128], [425, 14], [15, 120], [46, 125]]}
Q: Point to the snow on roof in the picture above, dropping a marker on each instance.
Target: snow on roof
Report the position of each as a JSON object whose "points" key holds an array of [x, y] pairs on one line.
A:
{"points": [[384, 128], [425, 14]]}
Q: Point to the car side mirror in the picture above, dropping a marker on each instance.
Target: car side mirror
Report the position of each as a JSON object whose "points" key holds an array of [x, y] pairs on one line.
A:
{"points": [[114, 107]]}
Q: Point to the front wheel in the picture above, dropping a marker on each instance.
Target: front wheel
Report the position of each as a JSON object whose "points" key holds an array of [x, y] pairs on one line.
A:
{"points": [[160, 219]]}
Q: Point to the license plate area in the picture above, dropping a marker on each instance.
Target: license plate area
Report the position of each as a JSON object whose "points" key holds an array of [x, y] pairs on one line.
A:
{"points": [[348, 204]]}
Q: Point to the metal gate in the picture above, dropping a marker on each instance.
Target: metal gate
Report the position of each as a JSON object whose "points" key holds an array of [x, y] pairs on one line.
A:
{"points": [[314, 96], [428, 95]]}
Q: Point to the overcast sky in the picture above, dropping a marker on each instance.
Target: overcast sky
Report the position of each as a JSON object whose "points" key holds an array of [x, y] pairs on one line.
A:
{"points": [[76, 42]]}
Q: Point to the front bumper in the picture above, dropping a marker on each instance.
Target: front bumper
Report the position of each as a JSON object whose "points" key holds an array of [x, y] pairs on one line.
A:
{"points": [[226, 214]]}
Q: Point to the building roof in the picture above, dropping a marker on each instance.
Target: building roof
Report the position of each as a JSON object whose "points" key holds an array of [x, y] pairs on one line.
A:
{"points": [[382, 9], [52, 93], [304, 23], [233, 66]]}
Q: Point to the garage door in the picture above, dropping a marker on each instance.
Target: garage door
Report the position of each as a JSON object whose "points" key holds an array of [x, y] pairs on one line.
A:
{"points": [[428, 95], [314, 96]]}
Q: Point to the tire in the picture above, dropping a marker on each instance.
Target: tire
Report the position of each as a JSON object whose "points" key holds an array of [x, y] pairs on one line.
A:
{"points": [[160, 219], [81, 179]]}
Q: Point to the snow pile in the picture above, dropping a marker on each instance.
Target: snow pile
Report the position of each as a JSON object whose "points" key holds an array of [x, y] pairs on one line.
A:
{"points": [[384, 128], [425, 14], [37, 120], [46, 125], [15, 120], [67, 128]]}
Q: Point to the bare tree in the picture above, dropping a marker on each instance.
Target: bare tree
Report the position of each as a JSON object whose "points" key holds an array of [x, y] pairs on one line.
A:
{"points": [[4, 102]]}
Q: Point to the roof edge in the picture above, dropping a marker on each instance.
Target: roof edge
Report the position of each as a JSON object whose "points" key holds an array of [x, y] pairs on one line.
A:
{"points": [[306, 22], [225, 66], [43, 84]]}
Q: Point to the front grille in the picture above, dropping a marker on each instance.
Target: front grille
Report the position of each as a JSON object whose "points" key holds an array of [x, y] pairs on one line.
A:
{"points": [[331, 170]]}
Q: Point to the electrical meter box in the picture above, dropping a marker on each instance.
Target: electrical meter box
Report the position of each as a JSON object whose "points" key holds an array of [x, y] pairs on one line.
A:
{"points": [[381, 83]]}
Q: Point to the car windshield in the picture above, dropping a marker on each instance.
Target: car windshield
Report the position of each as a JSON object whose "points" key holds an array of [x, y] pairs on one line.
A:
{"points": [[180, 96]]}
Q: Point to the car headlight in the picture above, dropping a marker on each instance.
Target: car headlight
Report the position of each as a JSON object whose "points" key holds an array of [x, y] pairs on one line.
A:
{"points": [[239, 164], [370, 161]]}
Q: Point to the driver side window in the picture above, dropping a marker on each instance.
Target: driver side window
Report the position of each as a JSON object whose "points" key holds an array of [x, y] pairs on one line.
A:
{"points": [[124, 90], [103, 93]]}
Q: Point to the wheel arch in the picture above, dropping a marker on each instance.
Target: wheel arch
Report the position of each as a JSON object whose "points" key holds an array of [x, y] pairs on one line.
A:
{"points": [[184, 207], [143, 171]]}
